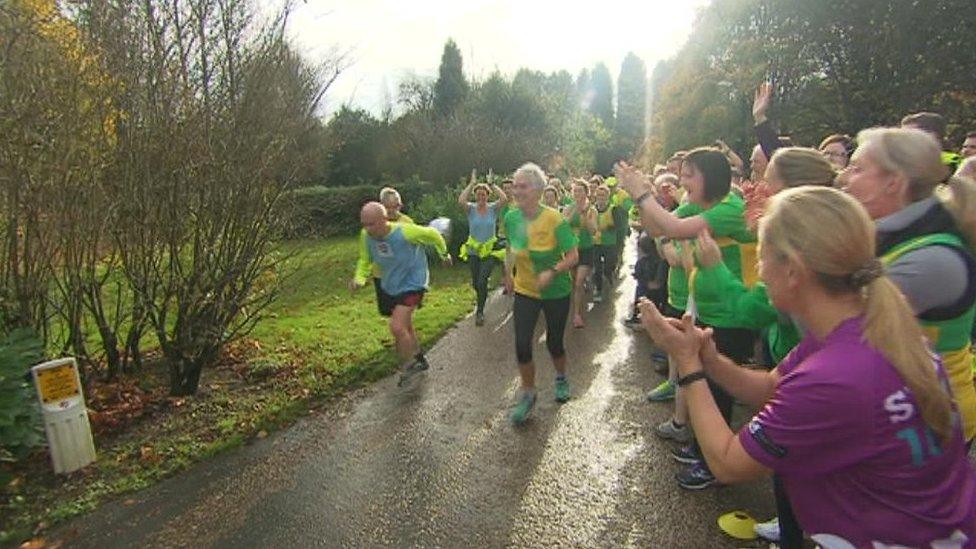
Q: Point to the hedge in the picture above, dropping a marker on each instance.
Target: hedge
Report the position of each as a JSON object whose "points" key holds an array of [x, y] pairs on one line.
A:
{"points": [[330, 211]]}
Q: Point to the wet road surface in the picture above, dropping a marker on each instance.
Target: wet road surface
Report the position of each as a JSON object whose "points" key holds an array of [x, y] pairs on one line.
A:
{"points": [[437, 464]]}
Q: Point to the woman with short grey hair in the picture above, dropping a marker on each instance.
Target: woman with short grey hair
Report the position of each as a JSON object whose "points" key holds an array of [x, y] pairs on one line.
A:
{"points": [[542, 249]]}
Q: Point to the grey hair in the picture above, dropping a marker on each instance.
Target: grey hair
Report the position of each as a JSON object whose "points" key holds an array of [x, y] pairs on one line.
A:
{"points": [[389, 193], [534, 174], [666, 177], [913, 153]]}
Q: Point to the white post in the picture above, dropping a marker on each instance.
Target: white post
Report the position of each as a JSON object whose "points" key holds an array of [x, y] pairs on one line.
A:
{"points": [[65, 415]]}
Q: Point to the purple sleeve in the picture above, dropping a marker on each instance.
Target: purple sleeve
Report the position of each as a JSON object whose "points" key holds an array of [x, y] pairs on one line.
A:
{"points": [[814, 424], [768, 140]]}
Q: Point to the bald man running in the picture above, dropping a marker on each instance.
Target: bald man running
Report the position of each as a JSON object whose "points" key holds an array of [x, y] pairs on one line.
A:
{"points": [[398, 249]]}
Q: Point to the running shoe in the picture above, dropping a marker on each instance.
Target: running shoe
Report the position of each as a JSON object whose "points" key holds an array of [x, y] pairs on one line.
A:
{"points": [[696, 477], [668, 430], [597, 297], [407, 374], [418, 365], [632, 321], [687, 454], [768, 530], [522, 408], [479, 319], [663, 392], [562, 390]]}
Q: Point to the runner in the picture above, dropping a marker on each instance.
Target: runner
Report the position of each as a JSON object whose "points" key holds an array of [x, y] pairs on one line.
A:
{"points": [[480, 250], [541, 251], [622, 207], [504, 209], [581, 216], [605, 250], [858, 415], [398, 249], [550, 198], [390, 199]]}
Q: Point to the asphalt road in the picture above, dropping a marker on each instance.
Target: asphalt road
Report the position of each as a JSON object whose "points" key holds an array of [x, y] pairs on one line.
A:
{"points": [[437, 464]]}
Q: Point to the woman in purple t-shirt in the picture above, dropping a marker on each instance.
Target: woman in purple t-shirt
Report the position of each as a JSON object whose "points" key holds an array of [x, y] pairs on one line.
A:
{"points": [[858, 420]]}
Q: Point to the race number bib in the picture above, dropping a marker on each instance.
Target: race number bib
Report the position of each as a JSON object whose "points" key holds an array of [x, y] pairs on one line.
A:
{"points": [[383, 249]]}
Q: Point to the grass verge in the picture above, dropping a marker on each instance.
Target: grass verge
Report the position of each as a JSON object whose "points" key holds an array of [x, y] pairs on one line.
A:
{"points": [[317, 341]]}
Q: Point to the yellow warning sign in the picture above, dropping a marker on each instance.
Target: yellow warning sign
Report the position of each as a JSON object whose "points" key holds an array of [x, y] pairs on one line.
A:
{"points": [[57, 383]]}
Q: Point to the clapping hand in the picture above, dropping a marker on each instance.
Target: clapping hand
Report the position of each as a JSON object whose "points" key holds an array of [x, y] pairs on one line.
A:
{"points": [[680, 339], [707, 251]]}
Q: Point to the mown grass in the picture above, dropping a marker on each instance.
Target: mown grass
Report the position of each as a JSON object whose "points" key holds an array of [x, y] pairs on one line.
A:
{"points": [[317, 341]]}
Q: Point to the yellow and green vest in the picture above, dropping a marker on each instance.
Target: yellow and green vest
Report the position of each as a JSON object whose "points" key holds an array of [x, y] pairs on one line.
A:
{"points": [[951, 337]]}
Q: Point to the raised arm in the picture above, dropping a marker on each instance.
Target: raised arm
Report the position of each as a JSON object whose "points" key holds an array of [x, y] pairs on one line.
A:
{"points": [[463, 197], [502, 197], [653, 214], [734, 159], [765, 134]]}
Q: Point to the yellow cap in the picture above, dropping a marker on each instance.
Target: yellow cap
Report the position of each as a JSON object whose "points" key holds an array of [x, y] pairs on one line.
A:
{"points": [[738, 524]]}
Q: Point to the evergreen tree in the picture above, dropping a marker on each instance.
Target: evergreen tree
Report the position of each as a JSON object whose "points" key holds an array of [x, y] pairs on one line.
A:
{"points": [[631, 105], [602, 104], [451, 87]]}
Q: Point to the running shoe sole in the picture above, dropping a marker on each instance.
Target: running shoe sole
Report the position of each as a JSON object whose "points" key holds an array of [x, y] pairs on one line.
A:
{"points": [[684, 458], [699, 486]]}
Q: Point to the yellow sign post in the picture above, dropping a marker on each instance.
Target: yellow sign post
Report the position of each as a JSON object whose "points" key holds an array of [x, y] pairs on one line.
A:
{"points": [[66, 423]]}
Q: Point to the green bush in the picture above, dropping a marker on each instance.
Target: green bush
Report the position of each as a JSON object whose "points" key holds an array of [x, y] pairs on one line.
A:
{"points": [[330, 211], [20, 423]]}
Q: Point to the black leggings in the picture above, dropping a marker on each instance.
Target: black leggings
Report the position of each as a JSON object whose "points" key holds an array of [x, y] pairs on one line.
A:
{"points": [[480, 272], [604, 264], [525, 313]]}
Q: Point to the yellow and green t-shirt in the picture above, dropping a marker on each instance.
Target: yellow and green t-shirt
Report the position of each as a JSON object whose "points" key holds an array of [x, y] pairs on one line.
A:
{"points": [[606, 226], [538, 244], [726, 219], [584, 236]]}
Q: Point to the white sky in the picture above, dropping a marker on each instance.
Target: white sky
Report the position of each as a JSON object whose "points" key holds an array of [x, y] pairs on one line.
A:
{"points": [[390, 39]]}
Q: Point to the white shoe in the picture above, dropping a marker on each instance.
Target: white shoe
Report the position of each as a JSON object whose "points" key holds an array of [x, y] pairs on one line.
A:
{"points": [[768, 530]]}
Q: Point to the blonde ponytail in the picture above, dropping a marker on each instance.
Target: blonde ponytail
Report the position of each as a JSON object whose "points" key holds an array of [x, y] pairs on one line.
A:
{"points": [[831, 233], [892, 329]]}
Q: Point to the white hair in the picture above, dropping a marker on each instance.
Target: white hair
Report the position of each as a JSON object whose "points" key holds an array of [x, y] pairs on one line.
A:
{"points": [[666, 178], [534, 174], [389, 194]]}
